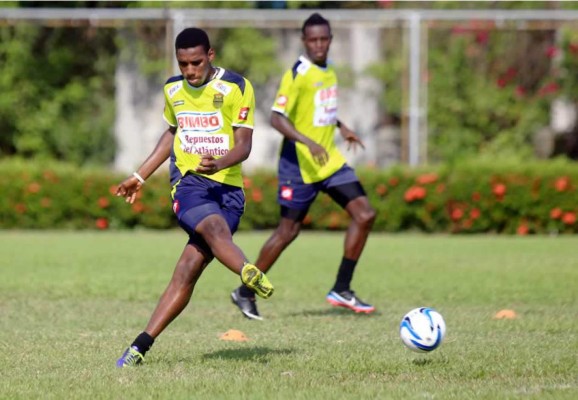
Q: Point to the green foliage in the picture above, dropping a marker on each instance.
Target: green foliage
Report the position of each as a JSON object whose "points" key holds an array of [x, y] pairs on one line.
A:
{"points": [[57, 99], [488, 195]]}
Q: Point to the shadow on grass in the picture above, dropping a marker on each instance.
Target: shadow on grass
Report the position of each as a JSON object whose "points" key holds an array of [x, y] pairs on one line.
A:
{"points": [[422, 361], [258, 354], [331, 312]]}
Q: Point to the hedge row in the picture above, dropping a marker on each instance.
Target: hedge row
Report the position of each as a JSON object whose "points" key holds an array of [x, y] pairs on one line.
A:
{"points": [[500, 197]]}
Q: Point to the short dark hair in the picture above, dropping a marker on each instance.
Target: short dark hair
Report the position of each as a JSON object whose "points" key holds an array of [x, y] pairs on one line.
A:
{"points": [[315, 19], [192, 37]]}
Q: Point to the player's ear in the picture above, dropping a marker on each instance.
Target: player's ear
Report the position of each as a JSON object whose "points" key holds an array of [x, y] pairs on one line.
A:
{"points": [[211, 54]]}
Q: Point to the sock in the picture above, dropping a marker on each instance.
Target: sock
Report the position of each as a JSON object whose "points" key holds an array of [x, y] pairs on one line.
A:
{"points": [[244, 291], [344, 275], [143, 342]]}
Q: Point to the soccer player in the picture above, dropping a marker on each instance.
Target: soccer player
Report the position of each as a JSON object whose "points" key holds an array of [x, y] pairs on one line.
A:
{"points": [[209, 111], [305, 113]]}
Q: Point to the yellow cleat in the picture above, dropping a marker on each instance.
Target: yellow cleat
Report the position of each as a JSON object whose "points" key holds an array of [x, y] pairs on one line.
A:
{"points": [[256, 280]]}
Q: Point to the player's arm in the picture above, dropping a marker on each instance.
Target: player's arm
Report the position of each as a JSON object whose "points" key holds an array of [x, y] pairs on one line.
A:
{"points": [[286, 128], [131, 185], [350, 137], [239, 153]]}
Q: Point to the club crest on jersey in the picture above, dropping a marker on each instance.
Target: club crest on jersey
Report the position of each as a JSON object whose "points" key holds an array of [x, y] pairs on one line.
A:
{"points": [[286, 193], [243, 113], [221, 88], [174, 89], [282, 100], [218, 100]]}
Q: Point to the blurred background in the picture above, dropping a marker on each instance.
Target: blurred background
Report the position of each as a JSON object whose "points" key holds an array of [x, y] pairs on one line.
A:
{"points": [[425, 84]]}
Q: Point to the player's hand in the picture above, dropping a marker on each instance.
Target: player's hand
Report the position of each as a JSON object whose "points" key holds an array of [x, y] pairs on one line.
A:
{"points": [[351, 138], [319, 154], [128, 189], [208, 165]]}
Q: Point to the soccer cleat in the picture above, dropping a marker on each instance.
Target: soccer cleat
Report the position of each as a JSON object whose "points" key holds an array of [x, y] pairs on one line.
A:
{"points": [[348, 299], [130, 358], [247, 305], [256, 280]]}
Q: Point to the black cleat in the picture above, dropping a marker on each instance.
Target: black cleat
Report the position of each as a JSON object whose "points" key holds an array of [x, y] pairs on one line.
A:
{"points": [[348, 299], [247, 305]]}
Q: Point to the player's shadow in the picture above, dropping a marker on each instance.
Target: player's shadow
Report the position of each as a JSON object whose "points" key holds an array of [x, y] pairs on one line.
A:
{"points": [[256, 354], [422, 361], [331, 312]]}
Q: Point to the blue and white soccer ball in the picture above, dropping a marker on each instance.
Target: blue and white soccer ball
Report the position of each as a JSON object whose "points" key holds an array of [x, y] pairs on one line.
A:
{"points": [[422, 329]]}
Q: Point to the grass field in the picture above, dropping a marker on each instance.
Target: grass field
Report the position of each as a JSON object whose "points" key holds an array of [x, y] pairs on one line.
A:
{"points": [[71, 302]]}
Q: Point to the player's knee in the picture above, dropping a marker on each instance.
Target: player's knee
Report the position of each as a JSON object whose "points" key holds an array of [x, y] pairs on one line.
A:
{"points": [[367, 217], [289, 233]]}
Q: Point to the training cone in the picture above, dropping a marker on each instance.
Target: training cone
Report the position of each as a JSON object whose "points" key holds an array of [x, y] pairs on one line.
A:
{"points": [[505, 314], [234, 335]]}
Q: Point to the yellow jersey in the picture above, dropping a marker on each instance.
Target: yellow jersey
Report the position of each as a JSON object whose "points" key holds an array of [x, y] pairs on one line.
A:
{"points": [[205, 117]]}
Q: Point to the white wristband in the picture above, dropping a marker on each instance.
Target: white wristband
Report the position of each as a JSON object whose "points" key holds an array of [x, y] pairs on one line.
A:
{"points": [[137, 176]]}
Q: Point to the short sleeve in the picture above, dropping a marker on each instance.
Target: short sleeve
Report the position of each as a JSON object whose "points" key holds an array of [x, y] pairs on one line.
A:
{"points": [[286, 95], [244, 107]]}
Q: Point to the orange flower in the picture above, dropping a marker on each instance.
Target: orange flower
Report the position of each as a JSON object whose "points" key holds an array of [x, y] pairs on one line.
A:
{"points": [[427, 178], [556, 213], [414, 193], [101, 223], [499, 189], [476, 196], [112, 189], [475, 213], [247, 182], [456, 214], [440, 188], [393, 181], [138, 207], [561, 184], [569, 218], [381, 189], [45, 202], [257, 195], [103, 202], [20, 208], [523, 229], [34, 187]]}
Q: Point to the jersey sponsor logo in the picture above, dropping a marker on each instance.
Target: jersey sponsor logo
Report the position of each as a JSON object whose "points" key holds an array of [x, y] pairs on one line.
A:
{"points": [[174, 89], [222, 88], [176, 206], [325, 113], [286, 193], [243, 113], [282, 100], [218, 100], [215, 144], [199, 121], [178, 103]]}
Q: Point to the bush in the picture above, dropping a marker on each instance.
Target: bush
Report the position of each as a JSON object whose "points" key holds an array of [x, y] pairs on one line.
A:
{"points": [[512, 197]]}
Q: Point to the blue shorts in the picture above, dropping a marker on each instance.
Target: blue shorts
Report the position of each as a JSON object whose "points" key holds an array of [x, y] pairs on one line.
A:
{"points": [[196, 197], [300, 196]]}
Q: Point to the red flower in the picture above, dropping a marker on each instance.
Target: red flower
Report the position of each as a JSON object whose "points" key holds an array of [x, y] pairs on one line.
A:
{"points": [[556, 213], [393, 181], [569, 218], [549, 88], [499, 189], [20, 208], [381, 189], [247, 182], [476, 196], [523, 229], [138, 207], [414, 193], [427, 178], [551, 51], [34, 187], [573, 47], [520, 91], [482, 37], [112, 189], [257, 195], [103, 202], [456, 214], [561, 184], [475, 213], [45, 202], [440, 188], [501, 82], [101, 223]]}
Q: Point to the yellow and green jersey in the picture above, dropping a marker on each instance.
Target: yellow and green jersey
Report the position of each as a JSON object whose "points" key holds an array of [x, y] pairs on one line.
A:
{"points": [[205, 117], [307, 96]]}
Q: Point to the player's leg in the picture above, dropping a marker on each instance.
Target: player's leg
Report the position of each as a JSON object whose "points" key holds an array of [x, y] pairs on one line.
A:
{"points": [[175, 298], [213, 210], [295, 200], [351, 196]]}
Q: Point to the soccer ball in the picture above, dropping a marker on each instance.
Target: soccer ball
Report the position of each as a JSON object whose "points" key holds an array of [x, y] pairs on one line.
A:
{"points": [[422, 329]]}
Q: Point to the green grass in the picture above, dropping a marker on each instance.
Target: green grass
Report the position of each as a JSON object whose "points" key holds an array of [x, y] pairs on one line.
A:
{"points": [[71, 302]]}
